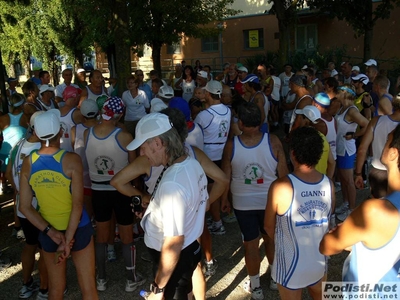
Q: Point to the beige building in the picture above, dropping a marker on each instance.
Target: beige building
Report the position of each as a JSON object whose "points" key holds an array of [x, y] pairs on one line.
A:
{"points": [[254, 31]]}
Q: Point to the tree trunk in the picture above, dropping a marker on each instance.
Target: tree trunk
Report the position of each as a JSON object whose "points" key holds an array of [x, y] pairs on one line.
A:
{"points": [[156, 56], [123, 51], [284, 42]]}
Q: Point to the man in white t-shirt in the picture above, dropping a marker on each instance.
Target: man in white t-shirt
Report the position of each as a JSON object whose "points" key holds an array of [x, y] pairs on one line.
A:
{"points": [[161, 101], [67, 76], [174, 218]]}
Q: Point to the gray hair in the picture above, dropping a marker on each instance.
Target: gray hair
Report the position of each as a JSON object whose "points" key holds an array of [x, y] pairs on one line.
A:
{"points": [[173, 145]]}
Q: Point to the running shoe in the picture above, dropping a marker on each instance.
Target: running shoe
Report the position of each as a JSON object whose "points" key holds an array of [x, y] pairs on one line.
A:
{"points": [[111, 255], [42, 296], [230, 218], [217, 230], [101, 284], [273, 286], [131, 285], [256, 293], [210, 268], [28, 289]]}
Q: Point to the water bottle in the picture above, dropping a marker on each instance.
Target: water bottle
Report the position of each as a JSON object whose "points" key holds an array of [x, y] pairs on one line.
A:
{"points": [[144, 294]]}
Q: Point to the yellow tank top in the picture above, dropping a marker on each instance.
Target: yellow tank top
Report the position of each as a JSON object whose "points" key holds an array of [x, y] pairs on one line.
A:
{"points": [[322, 164], [52, 188]]}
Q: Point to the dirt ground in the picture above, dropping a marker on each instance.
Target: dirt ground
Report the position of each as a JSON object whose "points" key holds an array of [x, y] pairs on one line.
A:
{"points": [[225, 284]]}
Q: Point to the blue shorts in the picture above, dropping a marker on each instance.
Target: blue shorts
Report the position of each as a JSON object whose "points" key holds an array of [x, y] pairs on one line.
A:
{"points": [[346, 161], [251, 223], [82, 237]]}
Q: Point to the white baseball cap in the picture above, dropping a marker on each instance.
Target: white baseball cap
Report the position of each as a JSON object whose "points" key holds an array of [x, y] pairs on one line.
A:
{"points": [[45, 88], [202, 74], [89, 108], [166, 92], [47, 124], [334, 72], [356, 68], [371, 62], [80, 70], [311, 112], [149, 126], [361, 77], [243, 69], [214, 87]]}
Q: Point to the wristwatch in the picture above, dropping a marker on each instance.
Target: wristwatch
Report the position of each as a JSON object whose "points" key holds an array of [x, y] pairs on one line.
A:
{"points": [[155, 289]]}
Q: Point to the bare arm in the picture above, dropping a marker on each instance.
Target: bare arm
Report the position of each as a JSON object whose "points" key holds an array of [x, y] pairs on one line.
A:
{"points": [[355, 116], [362, 151], [170, 252], [330, 170], [374, 223], [221, 181], [122, 180], [73, 136], [260, 101], [84, 96], [72, 167], [227, 169], [279, 153], [385, 106]]}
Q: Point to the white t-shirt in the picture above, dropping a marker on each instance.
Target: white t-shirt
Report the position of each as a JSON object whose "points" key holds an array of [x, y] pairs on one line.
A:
{"points": [[178, 206], [196, 136], [135, 107], [58, 92], [285, 83]]}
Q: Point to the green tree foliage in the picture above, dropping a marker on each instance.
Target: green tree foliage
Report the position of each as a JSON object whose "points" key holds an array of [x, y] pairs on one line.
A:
{"points": [[362, 15]]}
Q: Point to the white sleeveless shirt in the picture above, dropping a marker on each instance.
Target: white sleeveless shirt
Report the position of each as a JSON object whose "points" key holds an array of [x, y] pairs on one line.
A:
{"points": [[342, 145], [383, 127], [67, 122], [79, 148], [298, 232], [105, 158], [187, 89], [253, 171], [331, 135]]}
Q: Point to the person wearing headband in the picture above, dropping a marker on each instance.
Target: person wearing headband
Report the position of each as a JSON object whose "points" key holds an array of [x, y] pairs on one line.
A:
{"points": [[348, 119], [54, 176]]}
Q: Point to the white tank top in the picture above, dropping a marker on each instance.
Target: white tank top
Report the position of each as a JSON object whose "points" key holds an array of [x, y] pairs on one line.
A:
{"points": [[253, 171], [93, 96], [196, 136], [266, 105], [298, 232], [216, 123], [275, 94], [188, 89], [375, 265], [23, 149], [331, 135], [383, 127], [79, 148], [342, 145], [105, 158], [67, 122]]}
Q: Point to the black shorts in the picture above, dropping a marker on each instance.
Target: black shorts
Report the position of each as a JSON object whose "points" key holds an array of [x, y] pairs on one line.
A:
{"points": [[82, 238], [218, 163], [251, 223], [378, 181], [180, 282], [105, 202], [30, 231], [275, 102]]}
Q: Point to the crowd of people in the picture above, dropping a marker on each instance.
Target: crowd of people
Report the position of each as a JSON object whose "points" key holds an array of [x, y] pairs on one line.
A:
{"points": [[172, 160]]}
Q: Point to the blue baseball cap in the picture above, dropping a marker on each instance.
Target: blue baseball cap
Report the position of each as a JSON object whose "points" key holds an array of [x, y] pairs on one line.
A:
{"points": [[251, 78], [322, 99]]}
